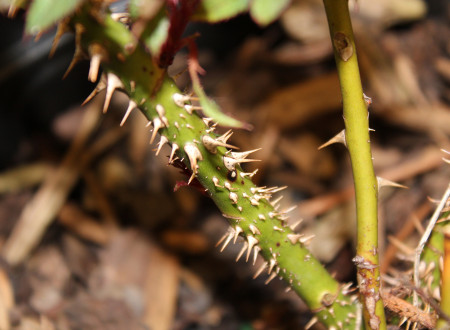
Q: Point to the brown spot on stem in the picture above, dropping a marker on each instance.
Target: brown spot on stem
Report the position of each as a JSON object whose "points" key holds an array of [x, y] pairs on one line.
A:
{"points": [[328, 299], [343, 46]]}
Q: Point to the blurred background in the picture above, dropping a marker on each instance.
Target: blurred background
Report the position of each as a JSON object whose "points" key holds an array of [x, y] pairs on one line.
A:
{"points": [[112, 246]]}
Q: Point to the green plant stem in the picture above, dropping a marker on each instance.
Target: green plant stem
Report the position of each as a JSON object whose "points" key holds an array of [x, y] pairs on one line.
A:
{"points": [[358, 143], [263, 228], [445, 287]]}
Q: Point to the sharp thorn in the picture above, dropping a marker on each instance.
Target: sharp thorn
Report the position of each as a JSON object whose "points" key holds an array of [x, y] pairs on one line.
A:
{"points": [[224, 138], [274, 190], [180, 99], [211, 144], [60, 31], [271, 277], [207, 120], [190, 108], [294, 238], [339, 138], [79, 54], [307, 239], [131, 106], [260, 269], [346, 288], [194, 155], [256, 250], [275, 202], [222, 238], [157, 124], [162, 142], [272, 263], [113, 82], [402, 321], [311, 322], [367, 100], [249, 174], [230, 163], [228, 239], [294, 225], [94, 67], [290, 209], [244, 247], [172, 154], [237, 231], [162, 114], [387, 183], [251, 243], [191, 178], [100, 86], [244, 154], [12, 11], [254, 229]]}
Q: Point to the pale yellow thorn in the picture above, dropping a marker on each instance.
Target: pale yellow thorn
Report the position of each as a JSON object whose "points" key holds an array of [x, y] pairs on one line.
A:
{"points": [[251, 243], [94, 67], [157, 124], [60, 31], [260, 270], [294, 238], [271, 277], [79, 54], [162, 142], [113, 82], [244, 154], [241, 253], [100, 87], [172, 154], [388, 183], [294, 225], [131, 106], [194, 155], [228, 239], [338, 138], [256, 250], [224, 137], [311, 322]]}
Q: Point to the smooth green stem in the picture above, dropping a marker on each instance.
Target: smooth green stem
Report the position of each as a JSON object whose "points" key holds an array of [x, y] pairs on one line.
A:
{"points": [[358, 143]]}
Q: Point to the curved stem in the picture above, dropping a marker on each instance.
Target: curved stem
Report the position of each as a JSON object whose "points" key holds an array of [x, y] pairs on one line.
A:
{"points": [[358, 143], [249, 209]]}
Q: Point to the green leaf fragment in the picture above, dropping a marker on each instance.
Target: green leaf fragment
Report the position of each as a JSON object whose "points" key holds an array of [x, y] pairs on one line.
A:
{"points": [[212, 110], [144, 9], [214, 11], [44, 13], [265, 12], [156, 33]]}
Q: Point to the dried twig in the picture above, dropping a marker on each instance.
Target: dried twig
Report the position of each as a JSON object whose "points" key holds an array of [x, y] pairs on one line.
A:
{"points": [[405, 309]]}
